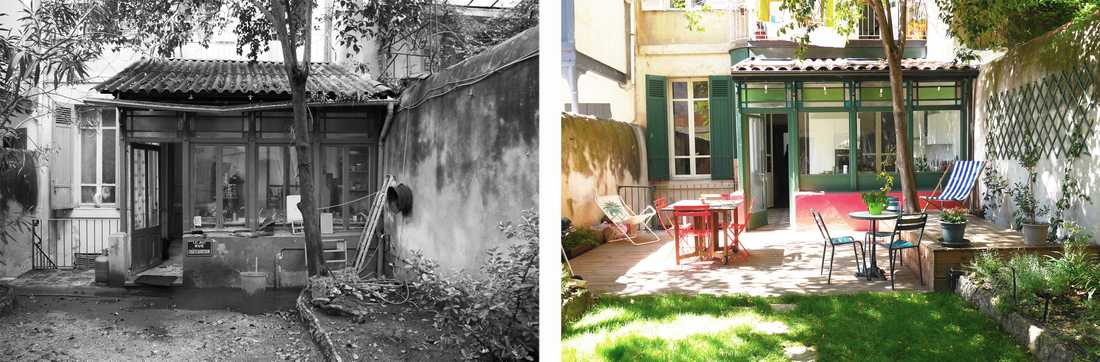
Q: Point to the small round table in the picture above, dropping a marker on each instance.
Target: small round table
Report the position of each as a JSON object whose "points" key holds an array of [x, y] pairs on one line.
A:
{"points": [[873, 272]]}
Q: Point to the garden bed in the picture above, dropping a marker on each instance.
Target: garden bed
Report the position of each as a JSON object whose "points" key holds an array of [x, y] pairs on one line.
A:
{"points": [[1064, 336]]}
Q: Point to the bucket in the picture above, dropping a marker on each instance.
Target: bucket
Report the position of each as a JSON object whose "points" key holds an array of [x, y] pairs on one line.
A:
{"points": [[252, 282]]}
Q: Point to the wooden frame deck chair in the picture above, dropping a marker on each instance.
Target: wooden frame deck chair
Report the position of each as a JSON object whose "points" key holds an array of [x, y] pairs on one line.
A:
{"points": [[964, 175], [623, 218]]}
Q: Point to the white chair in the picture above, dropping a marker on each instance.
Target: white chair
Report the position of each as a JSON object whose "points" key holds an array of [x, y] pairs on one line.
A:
{"points": [[623, 218], [293, 215]]}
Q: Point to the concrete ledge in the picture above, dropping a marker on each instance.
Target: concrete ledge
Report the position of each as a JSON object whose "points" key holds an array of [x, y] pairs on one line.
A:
{"points": [[1043, 344], [7, 299], [313, 325]]}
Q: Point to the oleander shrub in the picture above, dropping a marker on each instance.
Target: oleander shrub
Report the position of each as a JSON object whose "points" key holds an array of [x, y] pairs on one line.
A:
{"points": [[580, 236]]}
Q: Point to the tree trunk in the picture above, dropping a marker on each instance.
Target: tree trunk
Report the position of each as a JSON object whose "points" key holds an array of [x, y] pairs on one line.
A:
{"points": [[901, 132], [311, 217]]}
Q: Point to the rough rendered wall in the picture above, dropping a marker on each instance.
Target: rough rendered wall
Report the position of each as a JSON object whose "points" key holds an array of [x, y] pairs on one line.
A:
{"points": [[597, 156], [1060, 53], [467, 146]]}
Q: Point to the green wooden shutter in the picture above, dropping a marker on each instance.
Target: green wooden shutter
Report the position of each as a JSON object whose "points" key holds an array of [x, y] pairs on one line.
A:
{"points": [[656, 109], [721, 128]]}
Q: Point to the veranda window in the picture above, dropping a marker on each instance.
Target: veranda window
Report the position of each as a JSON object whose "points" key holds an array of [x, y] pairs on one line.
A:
{"points": [[690, 109], [98, 138], [935, 139], [278, 177], [219, 185], [824, 144], [877, 142]]}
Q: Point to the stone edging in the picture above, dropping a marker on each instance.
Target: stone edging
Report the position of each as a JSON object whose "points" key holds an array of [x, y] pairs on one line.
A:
{"points": [[7, 299], [1043, 344], [313, 325]]}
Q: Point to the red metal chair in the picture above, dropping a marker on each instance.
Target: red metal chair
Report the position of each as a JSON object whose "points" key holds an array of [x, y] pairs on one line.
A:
{"points": [[663, 217], [700, 228]]}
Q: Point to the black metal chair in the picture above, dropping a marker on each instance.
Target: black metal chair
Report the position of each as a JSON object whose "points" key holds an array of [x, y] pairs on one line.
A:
{"points": [[906, 223], [834, 242]]}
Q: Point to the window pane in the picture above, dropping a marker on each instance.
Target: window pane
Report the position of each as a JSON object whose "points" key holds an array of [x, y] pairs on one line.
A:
{"points": [[683, 166], [109, 156], [275, 181], [679, 90], [332, 183], [87, 194], [699, 90], [233, 185], [140, 190], [361, 177], [935, 140], [107, 116], [107, 194], [203, 191], [823, 139], [681, 137], [702, 128], [876, 142], [702, 166], [88, 160]]}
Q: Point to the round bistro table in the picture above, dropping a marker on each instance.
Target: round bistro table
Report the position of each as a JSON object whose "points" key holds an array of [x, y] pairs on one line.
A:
{"points": [[873, 272]]}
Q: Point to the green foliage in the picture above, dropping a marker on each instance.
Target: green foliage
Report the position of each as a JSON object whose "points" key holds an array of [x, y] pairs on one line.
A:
{"points": [[1028, 210], [953, 216], [980, 24], [996, 185], [581, 236], [986, 267], [878, 197], [496, 313]]}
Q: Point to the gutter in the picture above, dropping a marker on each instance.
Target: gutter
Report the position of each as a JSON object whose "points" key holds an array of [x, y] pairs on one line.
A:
{"points": [[849, 74], [387, 122], [181, 107]]}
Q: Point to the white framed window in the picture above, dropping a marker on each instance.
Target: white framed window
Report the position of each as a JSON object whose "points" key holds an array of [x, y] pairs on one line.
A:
{"points": [[98, 155], [689, 110]]}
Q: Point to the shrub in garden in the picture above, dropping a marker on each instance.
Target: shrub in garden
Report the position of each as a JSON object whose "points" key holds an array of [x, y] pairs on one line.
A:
{"points": [[493, 315], [580, 236]]}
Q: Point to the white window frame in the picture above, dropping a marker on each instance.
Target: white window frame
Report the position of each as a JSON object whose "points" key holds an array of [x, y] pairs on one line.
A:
{"points": [[97, 113], [693, 155], [666, 5]]}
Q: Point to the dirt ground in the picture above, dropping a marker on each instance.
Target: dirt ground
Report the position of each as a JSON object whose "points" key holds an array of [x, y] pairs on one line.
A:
{"points": [[54, 328], [388, 333]]}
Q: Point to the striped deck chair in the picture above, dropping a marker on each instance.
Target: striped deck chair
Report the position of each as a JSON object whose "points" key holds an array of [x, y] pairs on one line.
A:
{"points": [[624, 219], [964, 175]]}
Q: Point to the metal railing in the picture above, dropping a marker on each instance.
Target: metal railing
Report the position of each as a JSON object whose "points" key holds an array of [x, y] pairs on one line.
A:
{"points": [[685, 192], [39, 258], [74, 242]]}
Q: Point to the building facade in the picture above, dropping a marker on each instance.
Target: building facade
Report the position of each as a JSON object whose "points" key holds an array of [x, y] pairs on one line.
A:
{"points": [[728, 106]]}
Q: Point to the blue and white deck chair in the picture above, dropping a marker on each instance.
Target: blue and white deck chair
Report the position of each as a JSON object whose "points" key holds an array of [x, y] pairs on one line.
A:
{"points": [[964, 175]]}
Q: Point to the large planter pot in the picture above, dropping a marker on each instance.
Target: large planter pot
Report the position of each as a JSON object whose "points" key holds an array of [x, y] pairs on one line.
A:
{"points": [[1035, 233], [954, 233]]}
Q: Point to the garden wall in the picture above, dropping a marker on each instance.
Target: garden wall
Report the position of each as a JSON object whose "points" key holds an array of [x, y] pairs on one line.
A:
{"points": [[1039, 94], [465, 141], [597, 156]]}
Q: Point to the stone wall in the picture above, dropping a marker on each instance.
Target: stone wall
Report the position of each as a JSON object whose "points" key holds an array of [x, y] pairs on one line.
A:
{"points": [[465, 141], [597, 156], [1062, 72]]}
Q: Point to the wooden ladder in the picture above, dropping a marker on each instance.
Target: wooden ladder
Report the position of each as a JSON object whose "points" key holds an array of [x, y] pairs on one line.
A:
{"points": [[367, 237]]}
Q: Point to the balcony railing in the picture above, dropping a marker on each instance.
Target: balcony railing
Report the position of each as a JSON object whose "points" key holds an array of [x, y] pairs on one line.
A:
{"points": [[746, 25]]}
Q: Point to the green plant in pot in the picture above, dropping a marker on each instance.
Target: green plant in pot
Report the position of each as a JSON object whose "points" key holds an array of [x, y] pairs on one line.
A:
{"points": [[876, 200], [953, 222], [1029, 212]]}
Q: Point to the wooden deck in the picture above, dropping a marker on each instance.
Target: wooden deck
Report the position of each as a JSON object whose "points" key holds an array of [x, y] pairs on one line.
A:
{"points": [[784, 261]]}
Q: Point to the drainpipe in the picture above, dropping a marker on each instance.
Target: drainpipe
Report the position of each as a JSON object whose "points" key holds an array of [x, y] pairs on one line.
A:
{"points": [[569, 53]]}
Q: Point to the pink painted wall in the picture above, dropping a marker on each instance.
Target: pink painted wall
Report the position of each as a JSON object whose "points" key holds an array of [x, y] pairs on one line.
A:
{"points": [[834, 208]]}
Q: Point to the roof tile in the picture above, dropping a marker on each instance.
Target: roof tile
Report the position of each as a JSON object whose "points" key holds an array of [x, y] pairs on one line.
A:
{"points": [[842, 64], [152, 76]]}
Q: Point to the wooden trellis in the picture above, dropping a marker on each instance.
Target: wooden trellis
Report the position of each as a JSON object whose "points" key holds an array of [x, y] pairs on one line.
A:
{"points": [[1042, 116]]}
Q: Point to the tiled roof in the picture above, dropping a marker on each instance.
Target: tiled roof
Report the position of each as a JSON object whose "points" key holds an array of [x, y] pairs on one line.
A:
{"points": [[165, 76], [843, 65]]}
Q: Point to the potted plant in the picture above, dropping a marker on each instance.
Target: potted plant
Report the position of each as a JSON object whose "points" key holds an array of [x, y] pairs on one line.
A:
{"points": [[876, 200], [1028, 211], [953, 222]]}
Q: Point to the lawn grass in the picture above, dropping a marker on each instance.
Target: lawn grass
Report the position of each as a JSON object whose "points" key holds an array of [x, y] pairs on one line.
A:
{"points": [[865, 327]]}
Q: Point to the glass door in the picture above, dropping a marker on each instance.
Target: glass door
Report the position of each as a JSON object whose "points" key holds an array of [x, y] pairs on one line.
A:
{"points": [[759, 172]]}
